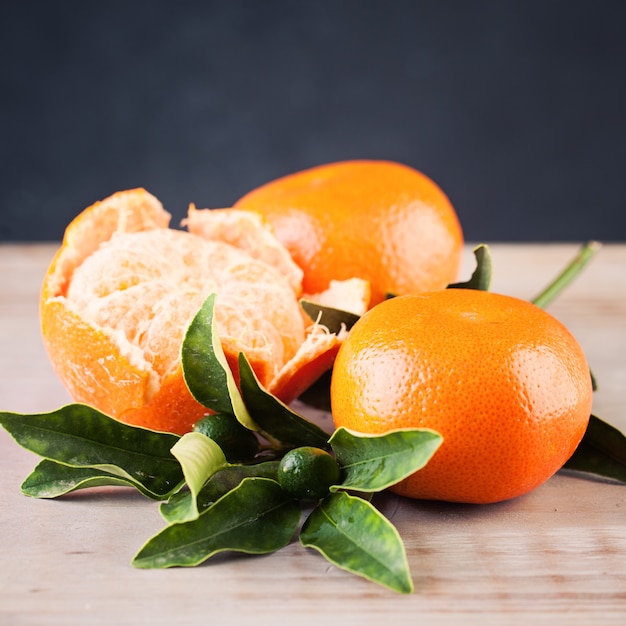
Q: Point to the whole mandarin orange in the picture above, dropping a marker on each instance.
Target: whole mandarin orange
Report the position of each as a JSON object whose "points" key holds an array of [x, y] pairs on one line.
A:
{"points": [[504, 382], [377, 220]]}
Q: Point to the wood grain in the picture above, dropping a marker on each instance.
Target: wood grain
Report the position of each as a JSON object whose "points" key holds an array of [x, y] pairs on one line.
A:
{"points": [[555, 556]]}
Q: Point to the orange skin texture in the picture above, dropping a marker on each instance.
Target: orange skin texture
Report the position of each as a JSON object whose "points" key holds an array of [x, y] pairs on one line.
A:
{"points": [[376, 220], [505, 384]]}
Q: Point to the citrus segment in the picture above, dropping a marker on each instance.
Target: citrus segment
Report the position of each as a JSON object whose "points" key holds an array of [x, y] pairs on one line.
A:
{"points": [[124, 211], [246, 231]]}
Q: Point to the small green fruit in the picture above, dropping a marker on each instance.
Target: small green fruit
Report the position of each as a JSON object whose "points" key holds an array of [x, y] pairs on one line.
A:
{"points": [[236, 441], [307, 473]]}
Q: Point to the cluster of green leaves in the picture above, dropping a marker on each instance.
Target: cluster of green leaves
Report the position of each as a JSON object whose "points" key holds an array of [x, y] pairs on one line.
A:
{"points": [[211, 505]]}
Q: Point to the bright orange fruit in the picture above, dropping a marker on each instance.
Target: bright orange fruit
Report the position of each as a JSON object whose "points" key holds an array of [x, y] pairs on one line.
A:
{"points": [[505, 384], [122, 288], [376, 220]]}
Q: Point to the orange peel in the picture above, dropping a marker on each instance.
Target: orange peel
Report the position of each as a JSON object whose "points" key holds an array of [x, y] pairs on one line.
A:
{"points": [[123, 286]]}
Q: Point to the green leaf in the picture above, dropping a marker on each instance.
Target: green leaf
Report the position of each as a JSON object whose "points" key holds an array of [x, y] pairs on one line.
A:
{"points": [[571, 271], [205, 369], [199, 457], [275, 419], [51, 480], [481, 277], [355, 536], [218, 485], [374, 462], [602, 452], [333, 319], [80, 436], [256, 517]]}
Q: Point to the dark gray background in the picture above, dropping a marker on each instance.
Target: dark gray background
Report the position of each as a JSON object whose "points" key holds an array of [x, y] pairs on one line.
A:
{"points": [[516, 108]]}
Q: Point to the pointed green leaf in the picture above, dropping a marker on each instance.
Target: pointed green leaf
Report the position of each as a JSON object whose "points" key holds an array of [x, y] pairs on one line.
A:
{"points": [[374, 462], [199, 457], [354, 536], [601, 452], [481, 277], [218, 485], [205, 369], [333, 319], [276, 419], [80, 436], [51, 480], [256, 517]]}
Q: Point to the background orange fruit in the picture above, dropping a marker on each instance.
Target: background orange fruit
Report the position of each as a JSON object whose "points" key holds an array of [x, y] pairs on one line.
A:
{"points": [[503, 381], [122, 288], [377, 220]]}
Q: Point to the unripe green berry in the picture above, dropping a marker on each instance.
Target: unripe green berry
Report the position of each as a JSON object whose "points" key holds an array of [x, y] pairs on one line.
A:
{"points": [[307, 473]]}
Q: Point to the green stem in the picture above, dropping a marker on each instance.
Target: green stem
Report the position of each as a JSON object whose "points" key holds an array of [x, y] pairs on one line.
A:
{"points": [[572, 270]]}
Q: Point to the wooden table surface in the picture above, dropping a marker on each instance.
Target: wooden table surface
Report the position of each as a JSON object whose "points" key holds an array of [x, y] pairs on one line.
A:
{"points": [[555, 556]]}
